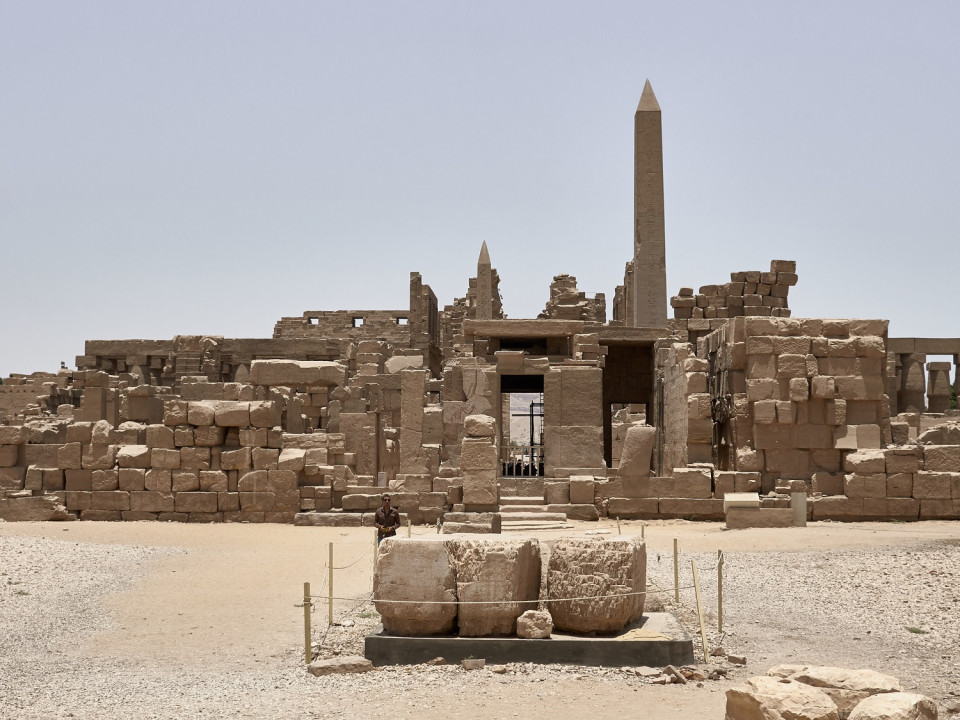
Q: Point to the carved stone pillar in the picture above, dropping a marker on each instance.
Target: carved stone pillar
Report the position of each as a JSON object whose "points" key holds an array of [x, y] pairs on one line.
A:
{"points": [[912, 383]]}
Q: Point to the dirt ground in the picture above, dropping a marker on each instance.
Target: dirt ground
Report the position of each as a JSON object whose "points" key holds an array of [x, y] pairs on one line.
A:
{"points": [[224, 606]]}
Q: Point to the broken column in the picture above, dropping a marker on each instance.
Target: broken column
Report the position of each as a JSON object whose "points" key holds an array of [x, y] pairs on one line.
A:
{"points": [[479, 462], [912, 383]]}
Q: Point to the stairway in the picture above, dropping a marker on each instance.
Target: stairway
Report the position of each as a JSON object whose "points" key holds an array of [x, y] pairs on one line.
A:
{"points": [[525, 514]]}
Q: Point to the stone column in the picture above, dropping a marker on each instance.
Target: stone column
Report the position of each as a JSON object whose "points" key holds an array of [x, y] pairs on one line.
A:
{"points": [[938, 390], [912, 383], [893, 381]]}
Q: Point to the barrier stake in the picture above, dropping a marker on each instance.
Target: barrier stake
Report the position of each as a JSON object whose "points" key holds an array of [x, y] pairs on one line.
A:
{"points": [[719, 590], [696, 587], [408, 527], [643, 532], [307, 649], [330, 586], [676, 571], [618, 525]]}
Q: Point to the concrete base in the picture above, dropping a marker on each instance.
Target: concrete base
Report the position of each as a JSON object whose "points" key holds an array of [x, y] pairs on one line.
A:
{"points": [[656, 640]]}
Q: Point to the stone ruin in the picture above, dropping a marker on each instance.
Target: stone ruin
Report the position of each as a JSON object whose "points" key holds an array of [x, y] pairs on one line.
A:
{"points": [[641, 416]]}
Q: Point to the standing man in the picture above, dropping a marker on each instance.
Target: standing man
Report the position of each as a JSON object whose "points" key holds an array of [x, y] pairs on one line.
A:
{"points": [[386, 519]]}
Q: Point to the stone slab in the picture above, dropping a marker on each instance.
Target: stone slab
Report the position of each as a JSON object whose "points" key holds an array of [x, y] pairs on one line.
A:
{"points": [[656, 640]]}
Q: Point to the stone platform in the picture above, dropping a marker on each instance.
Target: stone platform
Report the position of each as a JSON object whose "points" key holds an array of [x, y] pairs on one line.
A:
{"points": [[658, 639]]}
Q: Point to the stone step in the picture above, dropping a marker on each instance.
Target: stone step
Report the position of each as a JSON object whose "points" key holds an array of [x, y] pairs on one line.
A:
{"points": [[533, 526], [523, 508], [542, 516], [522, 500]]}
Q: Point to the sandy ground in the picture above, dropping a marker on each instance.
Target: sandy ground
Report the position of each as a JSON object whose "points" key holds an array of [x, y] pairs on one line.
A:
{"points": [[209, 626]]}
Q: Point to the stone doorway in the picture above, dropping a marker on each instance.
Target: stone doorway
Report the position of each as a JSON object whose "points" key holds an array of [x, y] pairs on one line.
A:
{"points": [[521, 426]]}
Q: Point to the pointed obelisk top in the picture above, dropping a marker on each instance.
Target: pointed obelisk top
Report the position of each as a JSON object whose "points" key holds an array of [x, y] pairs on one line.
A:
{"points": [[648, 101], [484, 255]]}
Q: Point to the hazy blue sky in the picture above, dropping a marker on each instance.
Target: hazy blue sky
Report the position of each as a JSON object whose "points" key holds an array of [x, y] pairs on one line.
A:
{"points": [[208, 167]]}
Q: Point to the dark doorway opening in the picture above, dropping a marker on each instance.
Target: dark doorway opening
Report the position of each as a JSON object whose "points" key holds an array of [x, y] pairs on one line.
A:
{"points": [[627, 381]]}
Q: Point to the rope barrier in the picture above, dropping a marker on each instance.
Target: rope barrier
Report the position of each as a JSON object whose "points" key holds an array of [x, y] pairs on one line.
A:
{"points": [[504, 602]]}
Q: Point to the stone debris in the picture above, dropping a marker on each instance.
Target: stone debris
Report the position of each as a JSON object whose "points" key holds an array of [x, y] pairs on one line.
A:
{"points": [[473, 664], [340, 666], [769, 698], [535, 625]]}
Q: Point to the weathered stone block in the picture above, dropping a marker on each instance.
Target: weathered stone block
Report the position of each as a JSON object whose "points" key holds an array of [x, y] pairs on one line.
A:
{"points": [[418, 571], [494, 570], [191, 502], [612, 573]]}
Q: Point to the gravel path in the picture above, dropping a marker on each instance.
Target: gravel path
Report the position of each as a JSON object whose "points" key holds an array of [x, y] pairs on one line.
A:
{"points": [[844, 607]]}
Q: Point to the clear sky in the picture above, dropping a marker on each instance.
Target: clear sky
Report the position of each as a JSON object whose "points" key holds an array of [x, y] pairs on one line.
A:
{"points": [[209, 167]]}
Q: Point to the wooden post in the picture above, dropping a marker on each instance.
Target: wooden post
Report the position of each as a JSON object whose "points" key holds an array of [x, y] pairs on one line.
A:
{"points": [[703, 632], [330, 588], [408, 527], [618, 525], [307, 649], [643, 532], [676, 571], [719, 590]]}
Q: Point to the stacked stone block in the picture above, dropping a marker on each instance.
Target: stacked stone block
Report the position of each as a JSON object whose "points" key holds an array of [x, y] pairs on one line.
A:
{"points": [[749, 293]]}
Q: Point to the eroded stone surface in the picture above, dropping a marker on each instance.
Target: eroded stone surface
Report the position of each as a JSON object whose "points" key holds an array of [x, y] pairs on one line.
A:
{"points": [[591, 570], [489, 570], [771, 698], [420, 570]]}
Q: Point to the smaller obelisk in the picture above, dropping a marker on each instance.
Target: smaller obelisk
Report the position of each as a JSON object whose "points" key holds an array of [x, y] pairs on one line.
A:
{"points": [[484, 285], [649, 240]]}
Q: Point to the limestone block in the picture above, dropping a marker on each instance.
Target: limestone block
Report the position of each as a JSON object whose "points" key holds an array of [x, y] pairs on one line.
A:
{"points": [[99, 457], [12, 435], [183, 436], [235, 459], [297, 373], [478, 454], [147, 501], [213, 481], [480, 426], [191, 502], [289, 459], [262, 502], [767, 698], [692, 508], [201, 413], [102, 433], [209, 436], [906, 463], [581, 391], [637, 451], [480, 487], [110, 500], [941, 458], [556, 493], [895, 706], [69, 456], [340, 665], [575, 447], [40, 508], [823, 387], [412, 483], [596, 569], [131, 479], [865, 461], [195, 458], [865, 486], [685, 483], [633, 508], [494, 570], [419, 571], [581, 489], [932, 485], [265, 414], [265, 458], [229, 413], [847, 687], [185, 480], [158, 480], [739, 518], [580, 511], [535, 624], [133, 456]]}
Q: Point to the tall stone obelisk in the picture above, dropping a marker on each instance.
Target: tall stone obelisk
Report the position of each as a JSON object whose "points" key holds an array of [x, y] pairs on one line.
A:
{"points": [[484, 285], [649, 240]]}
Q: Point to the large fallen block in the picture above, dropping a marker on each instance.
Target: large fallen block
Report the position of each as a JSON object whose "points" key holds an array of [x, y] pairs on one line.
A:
{"points": [[770, 698], [415, 570], [494, 570], [297, 373], [582, 575]]}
